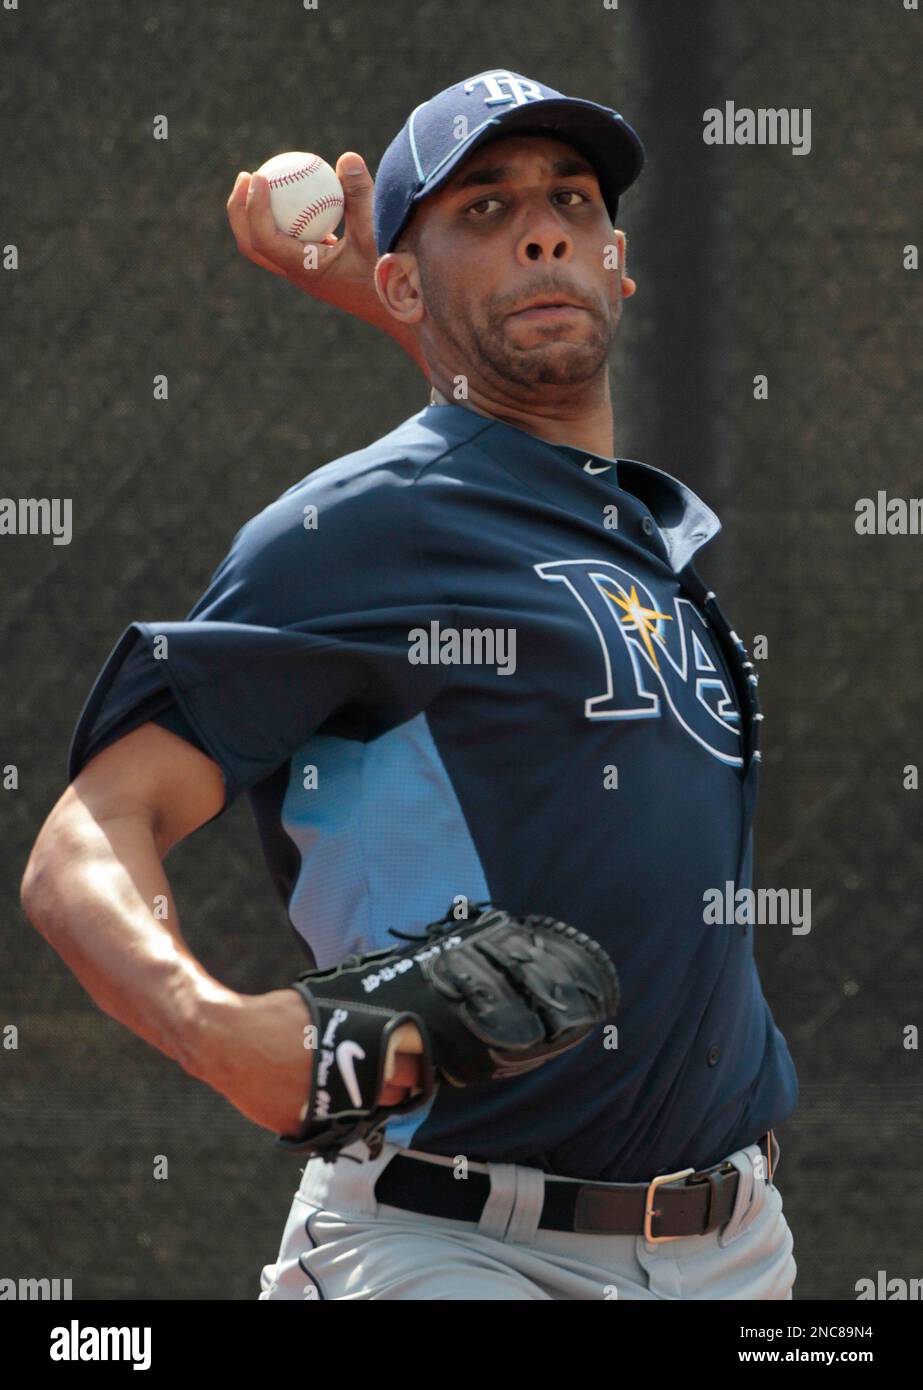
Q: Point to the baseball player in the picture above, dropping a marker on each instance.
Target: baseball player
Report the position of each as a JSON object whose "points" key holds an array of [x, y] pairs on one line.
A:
{"points": [[472, 662]]}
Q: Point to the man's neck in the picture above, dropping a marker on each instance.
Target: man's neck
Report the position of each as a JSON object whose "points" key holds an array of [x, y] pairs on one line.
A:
{"points": [[593, 430]]}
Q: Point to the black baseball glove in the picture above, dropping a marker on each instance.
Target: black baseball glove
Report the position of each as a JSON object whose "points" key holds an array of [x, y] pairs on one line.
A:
{"points": [[492, 996]]}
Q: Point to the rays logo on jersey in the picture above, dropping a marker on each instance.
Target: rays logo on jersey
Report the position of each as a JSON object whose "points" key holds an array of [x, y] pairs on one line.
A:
{"points": [[650, 657]]}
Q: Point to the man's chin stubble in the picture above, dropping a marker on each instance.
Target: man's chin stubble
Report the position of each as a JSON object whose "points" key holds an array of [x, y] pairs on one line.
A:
{"points": [[548, 365]]}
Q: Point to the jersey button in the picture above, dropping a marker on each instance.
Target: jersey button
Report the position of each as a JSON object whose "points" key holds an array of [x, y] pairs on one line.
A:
{"points": [[713, 1054], [647, 525]]}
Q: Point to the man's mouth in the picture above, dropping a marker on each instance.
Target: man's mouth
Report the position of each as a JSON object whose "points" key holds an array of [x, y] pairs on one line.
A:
{"points": [[551, 308]]}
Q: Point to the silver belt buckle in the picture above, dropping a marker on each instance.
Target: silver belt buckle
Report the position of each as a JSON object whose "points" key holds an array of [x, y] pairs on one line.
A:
{"points": [[649, 1211]]}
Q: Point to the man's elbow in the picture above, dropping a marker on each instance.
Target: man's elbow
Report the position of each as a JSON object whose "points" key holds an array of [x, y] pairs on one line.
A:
{"points": [[33, 884], [40, 873]]}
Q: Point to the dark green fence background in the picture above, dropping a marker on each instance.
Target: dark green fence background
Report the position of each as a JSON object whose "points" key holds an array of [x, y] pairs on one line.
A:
{"points": [[749, 260]]}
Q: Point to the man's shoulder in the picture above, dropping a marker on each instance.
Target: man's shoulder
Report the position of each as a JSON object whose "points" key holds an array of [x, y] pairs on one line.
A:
{"points": [[406, 452], [362, 504], [373, 484]]}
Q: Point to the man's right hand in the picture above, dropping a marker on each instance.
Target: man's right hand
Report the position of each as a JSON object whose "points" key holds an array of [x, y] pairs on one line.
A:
{"points": [[344, 276]]}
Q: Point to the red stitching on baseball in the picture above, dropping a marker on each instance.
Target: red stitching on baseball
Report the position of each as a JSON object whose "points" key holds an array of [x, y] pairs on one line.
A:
{"points": [[279, 179], [327, 200]]}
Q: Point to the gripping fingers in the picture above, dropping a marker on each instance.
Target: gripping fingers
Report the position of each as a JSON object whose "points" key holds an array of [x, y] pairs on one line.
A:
{"points": [[239, 218], [257, 236], [280, 250], [402, 1064]]}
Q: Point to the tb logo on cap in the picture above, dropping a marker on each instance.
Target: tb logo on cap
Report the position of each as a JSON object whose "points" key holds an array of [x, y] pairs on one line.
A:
{"points": [[520, 90]]}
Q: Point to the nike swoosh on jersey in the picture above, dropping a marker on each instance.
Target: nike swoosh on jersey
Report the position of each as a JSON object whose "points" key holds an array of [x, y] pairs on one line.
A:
{"points": [[588, 467]]}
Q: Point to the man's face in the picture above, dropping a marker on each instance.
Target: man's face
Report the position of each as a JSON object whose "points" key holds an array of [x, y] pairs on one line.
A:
{"points": [[522, 220]]}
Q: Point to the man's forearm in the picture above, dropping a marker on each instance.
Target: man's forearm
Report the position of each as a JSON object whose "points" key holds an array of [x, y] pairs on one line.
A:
{"points": [[98, 892]]}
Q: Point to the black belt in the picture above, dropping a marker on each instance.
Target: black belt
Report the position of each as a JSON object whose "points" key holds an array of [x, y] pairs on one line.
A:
{"points": [[671, 1205]]}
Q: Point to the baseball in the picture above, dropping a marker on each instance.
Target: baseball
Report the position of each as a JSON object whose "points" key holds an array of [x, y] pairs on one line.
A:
{"points": [[305, 195]]}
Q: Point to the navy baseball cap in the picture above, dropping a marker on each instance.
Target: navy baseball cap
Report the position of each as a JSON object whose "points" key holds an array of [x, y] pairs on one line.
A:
{"points": [[426, 151]]}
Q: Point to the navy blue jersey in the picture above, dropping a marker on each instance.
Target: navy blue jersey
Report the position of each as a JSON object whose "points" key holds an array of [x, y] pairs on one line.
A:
{"points": [[466, 662]]}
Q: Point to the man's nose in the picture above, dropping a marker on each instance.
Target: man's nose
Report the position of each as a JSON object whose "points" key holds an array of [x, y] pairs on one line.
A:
{"points": [[544, 237]]}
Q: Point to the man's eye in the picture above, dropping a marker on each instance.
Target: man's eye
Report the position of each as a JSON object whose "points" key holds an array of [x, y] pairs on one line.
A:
{"points": [[481, 203], [481, 208]]}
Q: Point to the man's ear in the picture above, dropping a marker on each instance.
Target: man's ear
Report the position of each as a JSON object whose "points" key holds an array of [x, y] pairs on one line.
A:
{"points": [[628, 285], [397, 284]]}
